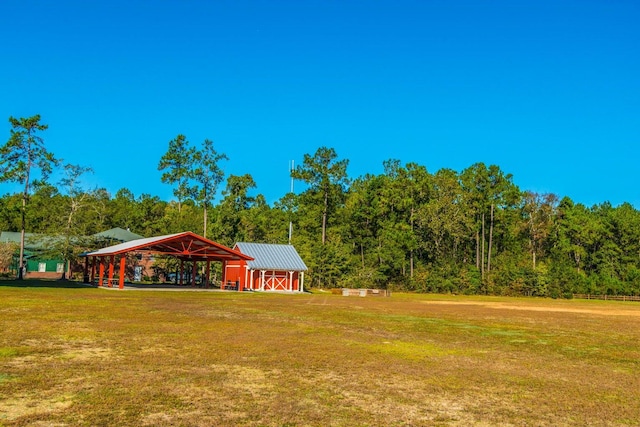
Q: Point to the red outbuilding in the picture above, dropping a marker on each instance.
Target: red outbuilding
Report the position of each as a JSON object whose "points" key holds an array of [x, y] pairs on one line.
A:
{"points": [[248, 266], [268, 267]]}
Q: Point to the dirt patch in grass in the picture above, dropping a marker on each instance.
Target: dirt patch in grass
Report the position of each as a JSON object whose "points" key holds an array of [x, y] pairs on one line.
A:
{"points": [[604, 310], [24, 406]]}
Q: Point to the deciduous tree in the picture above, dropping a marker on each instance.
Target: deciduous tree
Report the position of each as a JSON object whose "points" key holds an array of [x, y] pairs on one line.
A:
{"points": [[539, 211], [446, 217], [177, 164], [487, 189], [208, 174], [232, 209], [73, 238], [24, 152], [327, 178]]}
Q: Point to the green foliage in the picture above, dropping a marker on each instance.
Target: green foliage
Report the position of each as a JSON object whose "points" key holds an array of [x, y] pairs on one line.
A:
{"points": [[195, 173], [25, 150], [23, 153], [469, 232], [233, 218], [208, 175], [7, 252], [177, 164], [327, 179]]}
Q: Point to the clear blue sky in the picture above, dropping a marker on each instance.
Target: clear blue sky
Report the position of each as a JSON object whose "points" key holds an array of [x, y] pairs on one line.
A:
{"points": [[547, 90]]}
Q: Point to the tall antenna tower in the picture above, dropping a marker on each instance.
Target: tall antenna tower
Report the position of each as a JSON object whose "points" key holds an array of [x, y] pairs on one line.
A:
{"points": [[290, 221]]}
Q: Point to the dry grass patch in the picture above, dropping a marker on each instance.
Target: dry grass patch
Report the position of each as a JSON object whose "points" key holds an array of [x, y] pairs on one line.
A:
{"points": [[91, 357]]}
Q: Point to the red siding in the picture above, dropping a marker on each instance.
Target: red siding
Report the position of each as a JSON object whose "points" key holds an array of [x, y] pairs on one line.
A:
{"points": [[236, 271]]}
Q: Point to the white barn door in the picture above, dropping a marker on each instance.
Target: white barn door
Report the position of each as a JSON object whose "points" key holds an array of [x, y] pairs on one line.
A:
{"points": [[276, 281]]}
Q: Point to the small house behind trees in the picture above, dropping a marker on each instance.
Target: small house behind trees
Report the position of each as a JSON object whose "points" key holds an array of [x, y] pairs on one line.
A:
{"points": [[41, 258], [39, 263]]}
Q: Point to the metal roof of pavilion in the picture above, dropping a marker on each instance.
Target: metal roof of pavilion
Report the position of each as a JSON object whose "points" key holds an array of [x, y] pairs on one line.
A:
{"points": [[267, 256], [118, 233], [185, 245], [32, 241], [14, 237]]}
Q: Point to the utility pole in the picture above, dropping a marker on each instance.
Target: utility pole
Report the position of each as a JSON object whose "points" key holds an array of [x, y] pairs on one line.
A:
{"points": [[290, 221]]}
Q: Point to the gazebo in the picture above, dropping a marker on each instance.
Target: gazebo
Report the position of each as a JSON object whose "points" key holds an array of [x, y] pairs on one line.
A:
{"points": [[188, 247]]}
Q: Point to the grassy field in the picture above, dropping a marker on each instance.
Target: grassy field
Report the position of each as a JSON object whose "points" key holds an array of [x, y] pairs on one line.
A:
{"points": [[77, 356]]}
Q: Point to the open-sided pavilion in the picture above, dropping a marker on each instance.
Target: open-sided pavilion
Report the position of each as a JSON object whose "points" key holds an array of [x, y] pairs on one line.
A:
{"points": [[187, 247]]}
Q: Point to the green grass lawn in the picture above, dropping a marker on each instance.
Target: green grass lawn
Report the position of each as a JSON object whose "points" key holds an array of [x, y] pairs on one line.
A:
{"points": [[78, 356]]}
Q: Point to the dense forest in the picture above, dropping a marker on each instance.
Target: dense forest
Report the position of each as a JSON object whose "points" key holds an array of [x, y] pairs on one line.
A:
{"points": [[470, 232]]}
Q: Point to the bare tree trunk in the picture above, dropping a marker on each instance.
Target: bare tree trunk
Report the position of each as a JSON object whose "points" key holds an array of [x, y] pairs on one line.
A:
{"points": [[23, 222], [324, 216], [204, 206], [482, 260], [455, 250], [477, 249], [411, 265], [490, 241], [21, 262], [534, 258], [204, 227], [411, 251]]}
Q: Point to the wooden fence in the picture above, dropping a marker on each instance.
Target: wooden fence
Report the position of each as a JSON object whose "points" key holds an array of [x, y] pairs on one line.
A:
{"points": [[608, 297]]}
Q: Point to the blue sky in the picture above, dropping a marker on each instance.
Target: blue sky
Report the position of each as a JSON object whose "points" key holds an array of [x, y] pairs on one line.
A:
{"points": [[547, 90]]}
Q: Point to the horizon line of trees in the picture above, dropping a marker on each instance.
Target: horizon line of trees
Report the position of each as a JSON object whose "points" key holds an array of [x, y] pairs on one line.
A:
{"points": [[470, 232]]}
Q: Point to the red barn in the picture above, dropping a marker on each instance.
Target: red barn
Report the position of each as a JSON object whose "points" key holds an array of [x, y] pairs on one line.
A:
{"points": [[273, 268]]}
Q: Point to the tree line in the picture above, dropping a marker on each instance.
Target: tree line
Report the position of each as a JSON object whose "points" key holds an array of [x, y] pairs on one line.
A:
{"points": [[469, 232]]}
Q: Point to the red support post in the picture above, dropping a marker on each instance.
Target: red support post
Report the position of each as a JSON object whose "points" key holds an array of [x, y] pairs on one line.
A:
{"points": [[101, 275], [93, 269], [181, 282], [223, 279], [112, 260], [122, 270], [85, 274], [207, 272], [240, 284], [194, 272]]}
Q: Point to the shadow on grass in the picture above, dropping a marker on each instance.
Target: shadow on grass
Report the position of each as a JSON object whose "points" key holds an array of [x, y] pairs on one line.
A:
{"points": [[42, 283]]}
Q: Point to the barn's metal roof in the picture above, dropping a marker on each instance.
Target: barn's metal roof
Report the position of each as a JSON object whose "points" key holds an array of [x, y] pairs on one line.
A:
{"points": [[267, 256]]}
